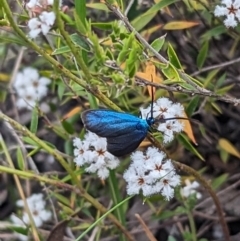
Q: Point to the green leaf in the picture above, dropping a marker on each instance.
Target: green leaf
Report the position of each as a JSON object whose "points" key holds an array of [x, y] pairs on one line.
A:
{"points": [[224, 90], [29, 141], [13, 40], [122, 56], [220, 81], [143, 19], [192, 106], [80, 41], [132, 62], [116, 197], [60, 198], [80, 7], [60, 89], [216, 107], [61, 50], [20, 159], [158, 43], [197, 82], [80, 23], [97, 6], [20, 230], [203, 53], [187, 86], [214, 32], [68, 127], [103, 26], [171, 73], [219, 181], [34, 121], [208, 80], [173, 57], [183, 139]]}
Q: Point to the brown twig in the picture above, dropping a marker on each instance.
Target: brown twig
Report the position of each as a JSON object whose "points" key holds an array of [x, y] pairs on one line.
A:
{"points": [[216, 66]]}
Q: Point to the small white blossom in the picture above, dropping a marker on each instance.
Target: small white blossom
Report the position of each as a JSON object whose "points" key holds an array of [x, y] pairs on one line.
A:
{"points": [[41, 24], [30, 88], [189, 189], [31, 3], [163, 109], [151, 173], [92, 153], [36, 205], [230, 9], [41, 4]]}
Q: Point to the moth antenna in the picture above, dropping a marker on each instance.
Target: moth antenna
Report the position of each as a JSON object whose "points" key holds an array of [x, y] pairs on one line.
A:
{"points": [[152, 99]]}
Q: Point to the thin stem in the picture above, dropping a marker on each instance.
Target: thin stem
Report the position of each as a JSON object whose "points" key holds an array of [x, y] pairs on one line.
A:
{"points": [[76, 52], [215, 199]]}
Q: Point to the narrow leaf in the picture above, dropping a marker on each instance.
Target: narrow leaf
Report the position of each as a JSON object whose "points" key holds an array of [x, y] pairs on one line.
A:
{"points": [[228, 147], [203, 53], [173, 57], [182, 138], [34, 121]]}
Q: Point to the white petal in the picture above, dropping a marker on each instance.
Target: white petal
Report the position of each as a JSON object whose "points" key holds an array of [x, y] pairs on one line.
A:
{"points": [[230, 21], [44, 81], [48, 18], [103, 173], [31, 3], [167, 192], [45, 28], [228, 3], [37, 220], [34, 23], [45, 215], [237, 14], [34, 33], [220, 11], [16, 220]]}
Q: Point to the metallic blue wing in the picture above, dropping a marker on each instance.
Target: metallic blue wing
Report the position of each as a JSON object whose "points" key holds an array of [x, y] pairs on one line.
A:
{"points": [[124, 132], [107, 123]]}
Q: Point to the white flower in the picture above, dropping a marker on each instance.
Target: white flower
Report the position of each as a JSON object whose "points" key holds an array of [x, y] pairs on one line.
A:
{"points": [[92, 153], [230, 9], [151, 173], [36, 205], [28, 102], [35, 27], [163, 109], [41, 3], [43, 24], [32, 3], [189, 189], [30, 88]]}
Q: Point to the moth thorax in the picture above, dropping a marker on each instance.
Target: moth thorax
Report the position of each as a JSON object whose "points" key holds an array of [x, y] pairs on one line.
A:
{"points": [[150, 121]]}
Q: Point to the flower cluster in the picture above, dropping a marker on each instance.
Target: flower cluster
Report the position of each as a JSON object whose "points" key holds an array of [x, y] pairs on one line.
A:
{"points": [[92, 152], [189, 189], [43, 18], [36, 205], [30, 88], [230, 9], [151, 173], [163, 109]]}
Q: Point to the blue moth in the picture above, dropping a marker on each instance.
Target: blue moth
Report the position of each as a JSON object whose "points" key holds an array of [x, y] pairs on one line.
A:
{"points": [[124, 132]]}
